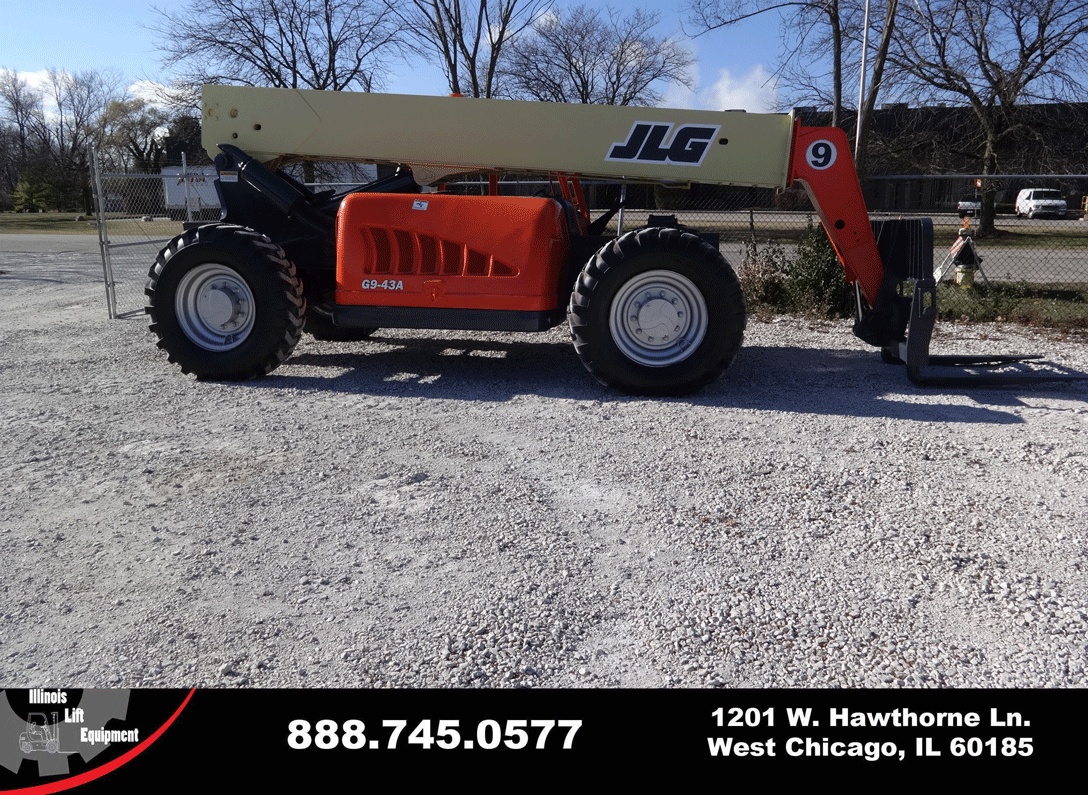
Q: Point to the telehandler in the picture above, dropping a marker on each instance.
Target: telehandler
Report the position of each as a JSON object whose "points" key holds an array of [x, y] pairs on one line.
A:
{"points": [[652, 311]]}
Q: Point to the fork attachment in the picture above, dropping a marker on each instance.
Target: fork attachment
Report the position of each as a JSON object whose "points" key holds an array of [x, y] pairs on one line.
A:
{"points": [[906, 248]]}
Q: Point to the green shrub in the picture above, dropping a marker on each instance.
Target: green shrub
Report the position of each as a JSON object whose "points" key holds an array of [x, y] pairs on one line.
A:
{"points": [[32, 196], [815, 282], [762, 274]]}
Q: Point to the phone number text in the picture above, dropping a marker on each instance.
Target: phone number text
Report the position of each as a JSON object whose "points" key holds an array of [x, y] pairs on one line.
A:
{"points": [[446, 734]]}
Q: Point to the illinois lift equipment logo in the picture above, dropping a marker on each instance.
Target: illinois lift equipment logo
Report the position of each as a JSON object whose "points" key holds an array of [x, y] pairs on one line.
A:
{"points": [[657, 142], [53, 739]]}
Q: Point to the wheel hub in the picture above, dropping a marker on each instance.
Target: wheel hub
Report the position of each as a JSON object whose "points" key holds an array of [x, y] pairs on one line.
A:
{"points": [[221, 305], [658, 318], [215, 307]]}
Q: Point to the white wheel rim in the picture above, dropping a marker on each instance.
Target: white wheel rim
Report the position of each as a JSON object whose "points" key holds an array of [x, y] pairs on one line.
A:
{"points": [[214, 307], [658, 318]]}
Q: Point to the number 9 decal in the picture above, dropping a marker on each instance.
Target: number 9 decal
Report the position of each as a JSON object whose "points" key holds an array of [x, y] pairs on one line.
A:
{"points": [[821, 154]]}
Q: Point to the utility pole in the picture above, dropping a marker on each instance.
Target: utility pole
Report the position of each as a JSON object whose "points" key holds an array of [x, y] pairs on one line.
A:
{"points": [[861, 87]]}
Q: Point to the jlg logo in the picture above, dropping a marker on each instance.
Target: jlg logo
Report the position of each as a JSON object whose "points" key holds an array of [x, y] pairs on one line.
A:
{"points": [[650, 142]]}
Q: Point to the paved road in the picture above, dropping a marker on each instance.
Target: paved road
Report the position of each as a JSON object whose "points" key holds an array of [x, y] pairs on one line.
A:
{"points": [[49, 244]]}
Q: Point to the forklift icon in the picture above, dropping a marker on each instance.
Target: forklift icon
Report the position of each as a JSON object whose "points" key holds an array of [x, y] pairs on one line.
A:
{"points": [[40, 734]]}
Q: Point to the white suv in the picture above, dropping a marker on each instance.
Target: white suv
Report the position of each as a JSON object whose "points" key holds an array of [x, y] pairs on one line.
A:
{"points": [[1034, 202]]}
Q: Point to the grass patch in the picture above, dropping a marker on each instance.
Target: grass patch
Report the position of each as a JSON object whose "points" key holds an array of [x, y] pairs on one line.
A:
{"points": [[1049, 305], [120, 225], [46, 224], [1073, 236]]}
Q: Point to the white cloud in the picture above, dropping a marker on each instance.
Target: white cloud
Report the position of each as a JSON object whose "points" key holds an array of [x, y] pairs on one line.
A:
{"points": [[679, 96], [40, 83], [39, 80], [756, 92], [147, 90]]}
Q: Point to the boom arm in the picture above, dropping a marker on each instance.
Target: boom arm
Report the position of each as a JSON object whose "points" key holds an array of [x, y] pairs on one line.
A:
{"points": [[459, 134], [821, 162], [444, 135]]}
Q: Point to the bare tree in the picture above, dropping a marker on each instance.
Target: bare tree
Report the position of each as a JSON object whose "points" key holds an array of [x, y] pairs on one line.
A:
{"points": [[26, 153], [468, 39], [21, 106], [134, 135], [994, 56], [75, 125], [79, 99], [801, 17], [584, 56], [319, 44], [181, 97], [49, 131]]}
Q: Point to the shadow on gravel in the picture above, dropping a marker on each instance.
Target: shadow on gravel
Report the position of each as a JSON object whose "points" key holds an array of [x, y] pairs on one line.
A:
{"points": [[791, 379], [851, 383], [443, 369]]}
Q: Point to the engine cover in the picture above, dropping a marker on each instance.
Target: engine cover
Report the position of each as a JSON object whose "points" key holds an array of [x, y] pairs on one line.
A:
{"points": [[450, 252]]}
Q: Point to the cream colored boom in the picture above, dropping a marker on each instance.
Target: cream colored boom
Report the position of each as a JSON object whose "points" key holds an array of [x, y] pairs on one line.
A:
{"points": [[441, 135]]}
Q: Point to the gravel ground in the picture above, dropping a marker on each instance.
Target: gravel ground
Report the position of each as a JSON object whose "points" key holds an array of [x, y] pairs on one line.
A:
{"points": [[472, 510]]}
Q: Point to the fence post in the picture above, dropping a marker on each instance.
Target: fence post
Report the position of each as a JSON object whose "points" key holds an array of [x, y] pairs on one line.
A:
{"points": [[103, 235], [623, 201], [185, 179]]}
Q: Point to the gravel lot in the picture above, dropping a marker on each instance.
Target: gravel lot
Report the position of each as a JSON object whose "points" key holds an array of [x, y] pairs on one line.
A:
{"points": [[459, 510]]}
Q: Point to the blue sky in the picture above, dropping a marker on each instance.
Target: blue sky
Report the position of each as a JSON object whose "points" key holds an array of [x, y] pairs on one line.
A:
{"points": [[733, 66]]}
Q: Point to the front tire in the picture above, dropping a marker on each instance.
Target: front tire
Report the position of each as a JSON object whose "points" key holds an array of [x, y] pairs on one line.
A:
{"points": [[657, 312], [225, 303]]}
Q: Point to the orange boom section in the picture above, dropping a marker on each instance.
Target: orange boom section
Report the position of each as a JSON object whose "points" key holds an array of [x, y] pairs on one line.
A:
{"points": [[821, 162], [450, 252]]}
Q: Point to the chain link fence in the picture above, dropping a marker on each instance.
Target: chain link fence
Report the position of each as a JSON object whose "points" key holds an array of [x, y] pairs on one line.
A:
{"points": [[138, 214], [1031, 257]]}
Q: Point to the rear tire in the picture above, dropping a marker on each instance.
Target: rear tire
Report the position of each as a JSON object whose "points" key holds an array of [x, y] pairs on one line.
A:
{"points": [[225, 303], [657, 312]]}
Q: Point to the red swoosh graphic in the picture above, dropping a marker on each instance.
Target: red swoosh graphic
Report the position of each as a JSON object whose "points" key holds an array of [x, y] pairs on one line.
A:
{"points": [[109, 767]]}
